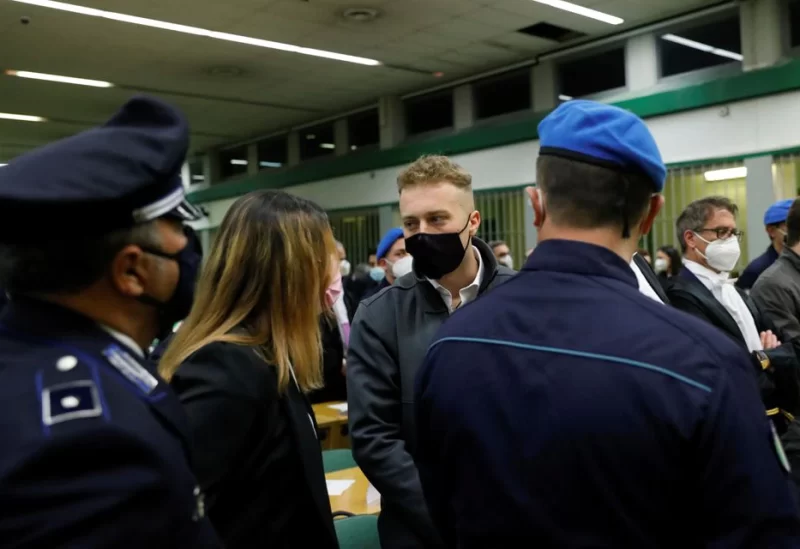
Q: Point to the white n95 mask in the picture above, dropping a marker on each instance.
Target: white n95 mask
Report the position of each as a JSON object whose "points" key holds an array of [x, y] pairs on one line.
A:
{"points": [[402, 266], [661, 265], [507, 260], [722, 255]]}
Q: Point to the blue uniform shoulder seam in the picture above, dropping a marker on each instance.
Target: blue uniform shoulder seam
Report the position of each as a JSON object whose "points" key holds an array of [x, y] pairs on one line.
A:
{"points": [[581, 354]]}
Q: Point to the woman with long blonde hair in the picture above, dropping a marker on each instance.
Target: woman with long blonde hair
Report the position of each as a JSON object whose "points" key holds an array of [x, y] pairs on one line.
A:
{"points": [[242, 363]]}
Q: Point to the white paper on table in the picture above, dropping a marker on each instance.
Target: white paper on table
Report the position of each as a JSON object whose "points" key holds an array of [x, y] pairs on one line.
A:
{"points": [[373, 496], [338, 487], [342, 408]]}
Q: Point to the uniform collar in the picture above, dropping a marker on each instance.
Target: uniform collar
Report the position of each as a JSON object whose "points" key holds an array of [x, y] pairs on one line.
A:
{"points": [[124, 339], [791, 257], [575, 257]]}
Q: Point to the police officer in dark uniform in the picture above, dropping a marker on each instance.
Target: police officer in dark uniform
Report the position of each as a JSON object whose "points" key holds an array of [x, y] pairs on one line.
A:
{"points": [[566, 409], [94, 257]]}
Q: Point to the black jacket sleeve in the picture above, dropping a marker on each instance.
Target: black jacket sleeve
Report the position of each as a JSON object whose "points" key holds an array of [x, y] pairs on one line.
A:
{"points": [[221, 410]]}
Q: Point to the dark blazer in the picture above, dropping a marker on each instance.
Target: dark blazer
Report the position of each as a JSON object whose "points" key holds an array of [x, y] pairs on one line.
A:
{"points": [[332, 356], [779, 384], [255, 451], [388, 341]]}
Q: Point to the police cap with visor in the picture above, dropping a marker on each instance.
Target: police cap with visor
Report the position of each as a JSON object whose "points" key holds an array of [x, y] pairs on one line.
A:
{"points": [[112, 177]]}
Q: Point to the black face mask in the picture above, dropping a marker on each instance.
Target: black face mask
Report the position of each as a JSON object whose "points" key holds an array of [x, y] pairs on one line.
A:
{"points": [[437, 254], [178, 306]]}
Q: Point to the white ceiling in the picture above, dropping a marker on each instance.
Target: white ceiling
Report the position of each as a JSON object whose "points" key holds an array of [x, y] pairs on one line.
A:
{"points": [[275, 90]]}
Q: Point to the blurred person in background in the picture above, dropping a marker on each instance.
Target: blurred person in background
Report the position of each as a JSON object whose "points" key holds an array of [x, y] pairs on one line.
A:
{"points": [[644, 254], [668, 263], [502, 253], [372, 257], [777, 290], [392, 258], [335, 334], [775, 225], [710, 239], [242, 363]]}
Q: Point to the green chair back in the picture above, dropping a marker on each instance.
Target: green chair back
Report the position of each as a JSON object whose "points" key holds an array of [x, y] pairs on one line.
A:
{"points": [[358, 532], [337, 460]]}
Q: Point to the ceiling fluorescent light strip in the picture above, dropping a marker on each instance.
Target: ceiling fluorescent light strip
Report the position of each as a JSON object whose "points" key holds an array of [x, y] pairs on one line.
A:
{"points": [[702, 47], [21, 117], [185, 29], [61, 79], [726, 174], [580, 10]]}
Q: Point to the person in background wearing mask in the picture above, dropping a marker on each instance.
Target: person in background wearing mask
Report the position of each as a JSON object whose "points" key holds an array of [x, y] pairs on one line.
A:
{"points": [[393, 259], [335, 336], [94, 444], [777, 290], [372, 257], [668, 263], [502, 253], [565, 409], [392, 331], [775, 225], [709, 239], [344, 265]]}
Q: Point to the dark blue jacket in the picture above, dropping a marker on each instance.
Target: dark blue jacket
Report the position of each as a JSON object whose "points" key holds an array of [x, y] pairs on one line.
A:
{"points": [[566, 409], [760, 264], [94, 444]]}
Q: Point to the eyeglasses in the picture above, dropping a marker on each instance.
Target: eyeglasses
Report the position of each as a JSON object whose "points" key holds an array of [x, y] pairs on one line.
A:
{"points": [[724, 232]]}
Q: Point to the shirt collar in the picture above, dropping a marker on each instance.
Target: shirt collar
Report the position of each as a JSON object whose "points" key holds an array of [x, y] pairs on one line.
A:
{"points": [[573, 256], [127, 341], [706, 275], [644, 285], [467, 293]]}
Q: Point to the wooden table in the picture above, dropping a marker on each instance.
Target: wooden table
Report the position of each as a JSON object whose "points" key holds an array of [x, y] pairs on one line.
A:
{"points": [[332, 426], [354, 499]]}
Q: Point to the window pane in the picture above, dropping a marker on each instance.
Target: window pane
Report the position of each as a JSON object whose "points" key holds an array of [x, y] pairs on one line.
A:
{"points": [[429, 112], [273, 153], [233, 162], [687, 49], [363, 130], [317, 141], [794, 23], [503, 94], [593, 74], [196, 170]]}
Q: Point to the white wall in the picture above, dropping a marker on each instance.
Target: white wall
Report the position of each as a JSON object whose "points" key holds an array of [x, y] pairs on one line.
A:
{"points": [[758, 125]]}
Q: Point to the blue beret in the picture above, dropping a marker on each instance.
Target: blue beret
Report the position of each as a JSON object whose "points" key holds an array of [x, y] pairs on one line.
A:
{"points": [[388, 240], [123, 173], [778, 212], [600, 134]]}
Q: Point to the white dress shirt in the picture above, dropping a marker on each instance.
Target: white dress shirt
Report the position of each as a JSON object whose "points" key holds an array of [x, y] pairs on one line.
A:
{"points": [[468, 293], [644, 285], [723, 290]]}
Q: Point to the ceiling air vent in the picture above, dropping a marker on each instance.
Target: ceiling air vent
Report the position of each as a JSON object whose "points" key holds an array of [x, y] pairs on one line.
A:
{"points": [[551, 32]]}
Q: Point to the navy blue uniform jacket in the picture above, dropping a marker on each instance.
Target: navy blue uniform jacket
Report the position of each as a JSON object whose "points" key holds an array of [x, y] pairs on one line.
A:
{"points": [[94, 447], [760, 264], [566, 409]]}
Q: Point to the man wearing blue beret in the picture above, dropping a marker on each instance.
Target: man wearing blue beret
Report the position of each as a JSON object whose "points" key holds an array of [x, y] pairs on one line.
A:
{"points": [[392, 260], [567, 409], [94, 255], [775, 224]]}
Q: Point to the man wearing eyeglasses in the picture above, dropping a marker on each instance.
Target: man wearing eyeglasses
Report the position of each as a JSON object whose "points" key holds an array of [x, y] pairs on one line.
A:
{"points": [[709, 239]]}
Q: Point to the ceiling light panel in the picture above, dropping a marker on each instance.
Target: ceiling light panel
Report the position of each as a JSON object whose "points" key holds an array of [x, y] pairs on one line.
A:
{"points": [[581, 10], [60, 79], [726, 174], [21, 117], [186, 29], [702, 47]]}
